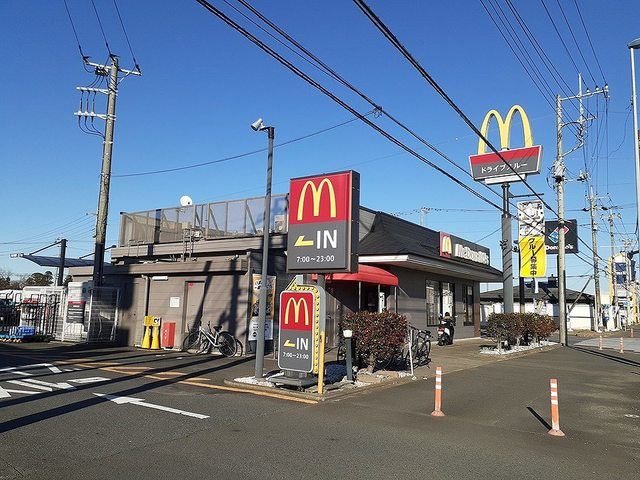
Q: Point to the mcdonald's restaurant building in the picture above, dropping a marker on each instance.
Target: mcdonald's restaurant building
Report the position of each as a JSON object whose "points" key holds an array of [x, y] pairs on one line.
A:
{"points": [[196, 264]]}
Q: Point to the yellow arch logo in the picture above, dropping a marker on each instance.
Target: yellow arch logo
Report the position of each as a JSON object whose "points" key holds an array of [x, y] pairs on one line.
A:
{"points": [[316, 193], [504, 128], [302, 302], [445, 245]]}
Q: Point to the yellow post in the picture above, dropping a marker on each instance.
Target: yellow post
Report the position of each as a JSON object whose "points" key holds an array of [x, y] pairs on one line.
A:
{"points": [[321, 365]]}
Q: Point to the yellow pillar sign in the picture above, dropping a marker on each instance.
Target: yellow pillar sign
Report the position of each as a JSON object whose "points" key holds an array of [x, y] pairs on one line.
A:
{"points": [[533, 257]]}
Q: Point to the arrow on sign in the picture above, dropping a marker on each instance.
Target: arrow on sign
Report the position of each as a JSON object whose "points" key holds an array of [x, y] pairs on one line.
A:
{"points": [[140, 401], [301, 242]]}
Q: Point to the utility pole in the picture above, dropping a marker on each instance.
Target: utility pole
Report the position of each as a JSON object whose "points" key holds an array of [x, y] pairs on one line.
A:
{"points": [[559, 177], [507, 252], [614, 287], [63, 255], [597, 323], [111, 92]]}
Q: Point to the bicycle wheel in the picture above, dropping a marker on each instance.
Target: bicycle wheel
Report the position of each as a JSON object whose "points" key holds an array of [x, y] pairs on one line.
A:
{"points": [[192, 343], [227, 344]]}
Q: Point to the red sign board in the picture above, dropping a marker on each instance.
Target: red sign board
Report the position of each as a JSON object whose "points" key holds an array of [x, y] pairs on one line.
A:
{"points": [[324, 198], [296, 310], [521, 160]]}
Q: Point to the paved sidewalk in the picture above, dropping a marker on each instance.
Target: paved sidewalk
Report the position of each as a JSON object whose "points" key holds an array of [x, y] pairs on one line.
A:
{"points": [[630, 344]]}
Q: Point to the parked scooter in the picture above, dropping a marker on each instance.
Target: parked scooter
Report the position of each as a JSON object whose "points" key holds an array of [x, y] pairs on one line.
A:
{"points": [[446, 330]]}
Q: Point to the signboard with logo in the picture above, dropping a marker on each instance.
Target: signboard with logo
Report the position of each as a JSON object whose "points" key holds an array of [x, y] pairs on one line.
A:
{"points": [[323, 223], [256, 279], [570, 236], [490, 167], [454, 247], [530, 219], [299, 314]]}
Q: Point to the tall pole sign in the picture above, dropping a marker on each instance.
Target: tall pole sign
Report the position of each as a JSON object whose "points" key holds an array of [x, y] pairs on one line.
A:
{"points": [[531, 239], [323, 223], [515, 165]]}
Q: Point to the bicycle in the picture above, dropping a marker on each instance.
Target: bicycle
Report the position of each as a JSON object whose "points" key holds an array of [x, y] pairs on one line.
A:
{"points": [[419, 342], [203, 340]]}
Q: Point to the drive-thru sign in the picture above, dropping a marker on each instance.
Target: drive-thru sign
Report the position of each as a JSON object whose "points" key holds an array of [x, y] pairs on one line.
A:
{"points": [[298, 325], [323, 223]]}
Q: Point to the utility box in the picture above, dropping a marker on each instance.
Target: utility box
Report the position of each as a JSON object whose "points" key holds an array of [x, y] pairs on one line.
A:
{"points": [[168, 334]]}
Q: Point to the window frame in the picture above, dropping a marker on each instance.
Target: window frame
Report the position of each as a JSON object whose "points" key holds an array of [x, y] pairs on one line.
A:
{"points": [[469, 306]]}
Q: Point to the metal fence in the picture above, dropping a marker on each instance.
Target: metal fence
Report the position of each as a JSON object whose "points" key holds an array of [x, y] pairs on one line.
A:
{"points": [[43, 312], [235, 218]]}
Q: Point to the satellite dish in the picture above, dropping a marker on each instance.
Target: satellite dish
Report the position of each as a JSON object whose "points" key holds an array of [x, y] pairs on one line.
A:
{"points": [[185, 201]]}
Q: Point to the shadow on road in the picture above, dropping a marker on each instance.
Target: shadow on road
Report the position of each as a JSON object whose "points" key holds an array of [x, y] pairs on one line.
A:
{"points": [[54, 412], [539, 418], [608, 356]]}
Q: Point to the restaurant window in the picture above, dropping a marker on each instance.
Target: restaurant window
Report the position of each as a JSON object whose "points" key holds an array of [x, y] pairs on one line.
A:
{"points": [[448, 301], [433, 303], [468, 305]]}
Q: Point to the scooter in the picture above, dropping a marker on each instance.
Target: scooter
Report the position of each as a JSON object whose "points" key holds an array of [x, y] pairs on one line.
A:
{"points": [[446, 331]]}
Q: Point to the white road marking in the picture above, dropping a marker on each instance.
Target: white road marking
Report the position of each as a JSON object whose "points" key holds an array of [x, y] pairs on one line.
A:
{"points": [[83, 381], [31, 385], [140, 401], [21, 368], [61, 385], [6, 392]]}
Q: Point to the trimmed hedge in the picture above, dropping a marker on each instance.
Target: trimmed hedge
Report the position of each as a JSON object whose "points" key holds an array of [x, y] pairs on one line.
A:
{"points": [[519, 328], [377, 336]]}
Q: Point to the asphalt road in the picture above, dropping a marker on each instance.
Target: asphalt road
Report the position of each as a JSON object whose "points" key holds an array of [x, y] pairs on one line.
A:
{"points": [[494, 425]]}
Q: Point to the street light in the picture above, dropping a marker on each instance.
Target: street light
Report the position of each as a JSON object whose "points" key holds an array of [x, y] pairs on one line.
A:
{"points": [[259, 126], [634, 45]]}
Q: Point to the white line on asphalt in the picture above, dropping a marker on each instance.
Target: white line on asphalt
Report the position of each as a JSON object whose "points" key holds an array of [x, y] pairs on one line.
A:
{"points": [[140, 401]]}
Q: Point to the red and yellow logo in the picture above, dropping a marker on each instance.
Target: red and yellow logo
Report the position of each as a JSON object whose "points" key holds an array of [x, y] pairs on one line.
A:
{"points": [[325, 198], [296, 310]]}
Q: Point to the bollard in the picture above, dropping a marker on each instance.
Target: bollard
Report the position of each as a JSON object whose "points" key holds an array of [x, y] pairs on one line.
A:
{"points": [[555, 416], [621, 345], [155, 337], [600, 343], [631, 334], [437, 412]]}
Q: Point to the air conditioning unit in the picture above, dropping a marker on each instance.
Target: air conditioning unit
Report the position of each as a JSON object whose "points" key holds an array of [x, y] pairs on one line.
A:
{"points": [[280, 223]]}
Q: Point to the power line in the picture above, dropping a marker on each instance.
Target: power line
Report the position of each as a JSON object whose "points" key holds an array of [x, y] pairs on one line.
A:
{"points": [[379, 24], [124, 30], [555, 27], [318, 63], [241, 155], [586, 30], [576, 42], [104, 36], [336, 99]]}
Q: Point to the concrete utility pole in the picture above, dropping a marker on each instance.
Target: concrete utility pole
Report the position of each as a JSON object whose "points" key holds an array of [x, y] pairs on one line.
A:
{"points": [[635, 45], [614, 301], [423, 215], [559, 177], [597, 323], [507, 252], [111, 92]]}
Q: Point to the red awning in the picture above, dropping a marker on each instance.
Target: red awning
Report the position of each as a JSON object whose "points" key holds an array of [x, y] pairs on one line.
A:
{"points": [[367, 274]]}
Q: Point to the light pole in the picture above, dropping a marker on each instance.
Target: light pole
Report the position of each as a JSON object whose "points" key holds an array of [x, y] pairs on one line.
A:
{"points": [[259, 126], [634, 46]]}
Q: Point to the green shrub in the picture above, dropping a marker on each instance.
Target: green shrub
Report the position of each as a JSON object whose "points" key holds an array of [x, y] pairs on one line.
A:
{"points": [[519, 327], [377, 336], [544, 326]]}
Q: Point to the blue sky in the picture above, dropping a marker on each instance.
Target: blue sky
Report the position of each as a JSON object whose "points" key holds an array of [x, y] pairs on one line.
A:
{"points": [[204, 84]]}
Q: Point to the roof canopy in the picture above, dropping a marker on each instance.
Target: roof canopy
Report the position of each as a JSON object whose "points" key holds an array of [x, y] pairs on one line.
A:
{"points": [[55, 261], [367, 274]]}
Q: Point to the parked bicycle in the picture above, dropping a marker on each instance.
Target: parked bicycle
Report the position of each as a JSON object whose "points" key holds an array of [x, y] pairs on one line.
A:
{"points": [[204, 340]]}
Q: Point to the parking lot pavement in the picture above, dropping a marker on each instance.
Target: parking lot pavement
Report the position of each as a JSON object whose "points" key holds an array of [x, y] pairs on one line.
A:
{"points": [[494, 425]]}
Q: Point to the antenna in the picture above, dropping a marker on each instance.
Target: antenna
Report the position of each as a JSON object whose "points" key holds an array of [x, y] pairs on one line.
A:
{"points": [[186, 200]]}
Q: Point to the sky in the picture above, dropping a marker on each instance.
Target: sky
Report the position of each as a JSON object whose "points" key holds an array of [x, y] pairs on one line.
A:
{"points": [[203, 84]]}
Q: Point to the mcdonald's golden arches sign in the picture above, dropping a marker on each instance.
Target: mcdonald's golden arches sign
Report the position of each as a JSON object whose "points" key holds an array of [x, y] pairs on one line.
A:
{"points": [[323, 223], [524, 160]]}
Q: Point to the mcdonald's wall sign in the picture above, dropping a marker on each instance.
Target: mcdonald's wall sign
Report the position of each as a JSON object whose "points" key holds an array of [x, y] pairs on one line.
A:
{"points": [[323, 223], [526, 160]]}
